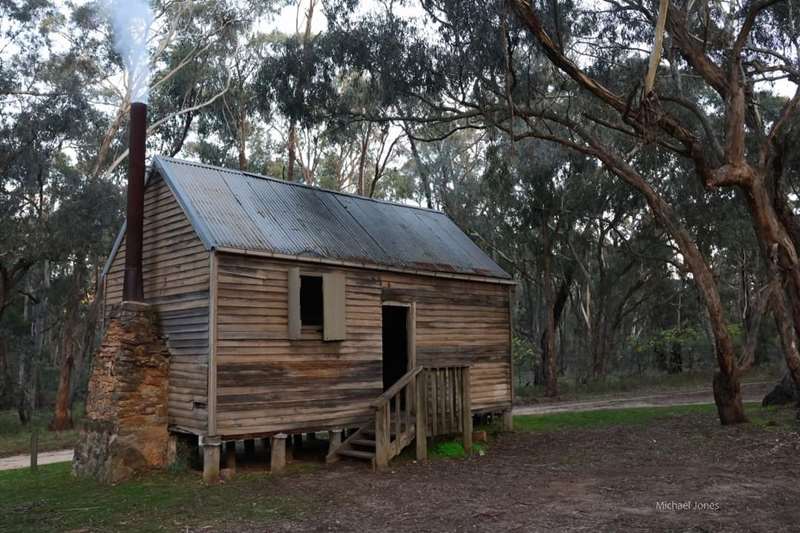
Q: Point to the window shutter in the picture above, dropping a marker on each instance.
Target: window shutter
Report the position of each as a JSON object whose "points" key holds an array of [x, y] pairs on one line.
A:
{"points": [[333, 302], [294, 303]]}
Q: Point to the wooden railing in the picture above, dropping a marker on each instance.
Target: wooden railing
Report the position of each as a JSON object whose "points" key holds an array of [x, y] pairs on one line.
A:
{"points": [[394, 422], [445, 403], [429, 401]]}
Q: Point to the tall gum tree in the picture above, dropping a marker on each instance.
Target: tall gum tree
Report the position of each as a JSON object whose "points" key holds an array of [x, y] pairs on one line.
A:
{"points": [[749, 159], [472, 78]]}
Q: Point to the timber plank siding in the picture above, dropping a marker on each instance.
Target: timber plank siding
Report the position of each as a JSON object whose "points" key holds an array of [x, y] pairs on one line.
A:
{"points": [[175, 271], [268, 383], [242, 367]]}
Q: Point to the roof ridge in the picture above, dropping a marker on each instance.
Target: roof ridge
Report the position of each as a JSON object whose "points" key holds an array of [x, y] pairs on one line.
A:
{"points": [[295, 184]]}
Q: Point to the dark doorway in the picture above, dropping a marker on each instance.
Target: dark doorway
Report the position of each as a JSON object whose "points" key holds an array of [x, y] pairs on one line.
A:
{"points": [[395, 344]]}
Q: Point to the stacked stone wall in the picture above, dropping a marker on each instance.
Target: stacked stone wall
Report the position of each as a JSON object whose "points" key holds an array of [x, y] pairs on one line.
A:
{"points": [[126, 427]]}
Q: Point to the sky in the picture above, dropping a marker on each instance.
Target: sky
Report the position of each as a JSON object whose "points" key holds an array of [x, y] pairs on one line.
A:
{"points": [[286, 21]]}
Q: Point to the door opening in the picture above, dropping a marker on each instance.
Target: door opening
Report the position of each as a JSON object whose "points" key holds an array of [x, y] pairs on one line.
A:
{"points": [[395, 344]]}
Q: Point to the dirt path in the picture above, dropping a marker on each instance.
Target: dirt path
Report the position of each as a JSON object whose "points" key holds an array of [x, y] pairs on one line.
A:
{"points": [[45, 458], [751, 392], [684, 473]]}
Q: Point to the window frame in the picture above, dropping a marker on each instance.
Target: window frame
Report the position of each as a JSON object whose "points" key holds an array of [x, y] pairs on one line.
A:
{"points": [[334, 305]]}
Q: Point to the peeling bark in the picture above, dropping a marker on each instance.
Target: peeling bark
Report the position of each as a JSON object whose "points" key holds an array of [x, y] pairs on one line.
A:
{"points": [[62, 416]]}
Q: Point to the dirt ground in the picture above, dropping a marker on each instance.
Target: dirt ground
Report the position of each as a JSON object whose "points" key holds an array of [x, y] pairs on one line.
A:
{"points": [[612, 479]]}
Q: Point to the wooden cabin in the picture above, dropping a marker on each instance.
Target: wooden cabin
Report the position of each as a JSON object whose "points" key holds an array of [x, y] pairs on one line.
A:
{"points": [[290, 309]]}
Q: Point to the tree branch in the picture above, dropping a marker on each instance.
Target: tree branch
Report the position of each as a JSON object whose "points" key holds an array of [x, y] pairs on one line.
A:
{"points": [[153, 127]]}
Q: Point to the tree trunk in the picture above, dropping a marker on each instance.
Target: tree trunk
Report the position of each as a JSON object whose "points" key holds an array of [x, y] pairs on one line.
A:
{"points": [[5, 380], [108, 138], [422, 171], [728, 397], [62, 417], [292, 147], [788, 338], [600, 346], [361, 187], [780, 254], [242, 144], [555, 307], [24, 410], [549, 334]]}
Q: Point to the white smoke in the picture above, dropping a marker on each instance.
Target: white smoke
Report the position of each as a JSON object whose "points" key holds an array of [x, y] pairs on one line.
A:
{"points": [[131, 21]]}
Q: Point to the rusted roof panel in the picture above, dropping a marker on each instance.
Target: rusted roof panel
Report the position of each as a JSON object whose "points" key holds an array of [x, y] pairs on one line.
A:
{"points": [[233, 209]]}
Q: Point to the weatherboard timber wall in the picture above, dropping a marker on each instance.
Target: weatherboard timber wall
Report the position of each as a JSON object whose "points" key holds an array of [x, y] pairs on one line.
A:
{"points": [[176, 280], [267, 383]]}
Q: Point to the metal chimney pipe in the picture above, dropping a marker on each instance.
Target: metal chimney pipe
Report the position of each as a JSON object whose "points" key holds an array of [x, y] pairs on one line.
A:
{"points": [[132, 289]]}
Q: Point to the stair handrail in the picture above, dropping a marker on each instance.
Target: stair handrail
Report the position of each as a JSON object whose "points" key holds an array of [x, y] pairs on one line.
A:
{"points": [[398, 386], [386, 444]]}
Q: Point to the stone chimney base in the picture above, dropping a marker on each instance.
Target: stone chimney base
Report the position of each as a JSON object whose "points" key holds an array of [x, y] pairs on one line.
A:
{"points": [[125, 430]]}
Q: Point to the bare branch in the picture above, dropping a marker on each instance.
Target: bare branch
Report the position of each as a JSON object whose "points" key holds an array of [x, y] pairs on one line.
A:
{"points": [[655, 55], [153, 127]]}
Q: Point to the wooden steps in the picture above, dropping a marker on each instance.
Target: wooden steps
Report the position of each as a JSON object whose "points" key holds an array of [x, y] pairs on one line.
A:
{"points": [[364, 456], [425, 401], [358, 446], [362, 445]]}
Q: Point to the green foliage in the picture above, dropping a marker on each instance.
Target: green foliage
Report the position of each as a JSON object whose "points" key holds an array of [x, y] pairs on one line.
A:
{"points": [[523, 351], [664, 339]]}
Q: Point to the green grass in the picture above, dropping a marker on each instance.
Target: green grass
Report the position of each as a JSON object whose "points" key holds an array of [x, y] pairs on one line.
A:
{"points": [[772, 417], [52, 500], [454, 449], [765, 417], [15, 439]]}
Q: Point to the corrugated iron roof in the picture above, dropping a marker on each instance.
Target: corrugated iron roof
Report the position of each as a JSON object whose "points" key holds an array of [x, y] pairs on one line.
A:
{"points": [[231, 209]]}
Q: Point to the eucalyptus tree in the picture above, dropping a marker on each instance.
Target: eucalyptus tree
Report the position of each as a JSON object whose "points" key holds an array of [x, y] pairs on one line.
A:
{"points": [[233, 122], [520, 68], [731, 51], [45, 132], [64, 100]]}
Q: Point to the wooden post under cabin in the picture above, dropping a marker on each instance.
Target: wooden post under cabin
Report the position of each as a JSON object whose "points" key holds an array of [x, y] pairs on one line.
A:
{"points": [[277, 461], [172, 449], [211, 453], [508, 420], [334, 441]]}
